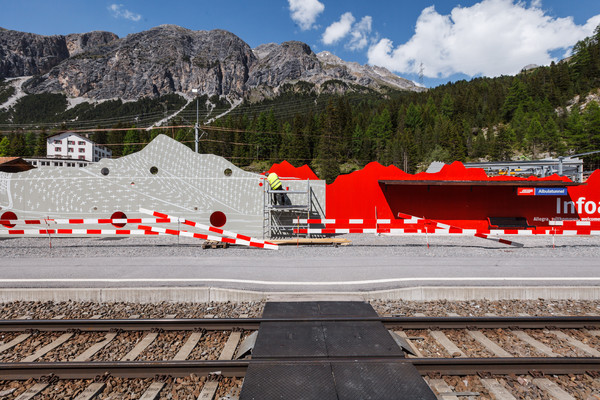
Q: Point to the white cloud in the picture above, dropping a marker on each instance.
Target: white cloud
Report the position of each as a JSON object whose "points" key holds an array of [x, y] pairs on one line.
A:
{"points": [[339, 29], [119, 12], [490, 38], [360, 34], [305, 12]]}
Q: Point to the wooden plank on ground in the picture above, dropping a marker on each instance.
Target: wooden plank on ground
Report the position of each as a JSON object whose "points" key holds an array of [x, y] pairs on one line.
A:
{"points": [[497, 389], [331, 241], [140, 346], [440, 386], [47, 348], [536, 344], [230, 346], [576, 343], [153, 391], [209, 390], [91, 391], [86, 355], [489, 345], [4, 393], [413, 348], [32, 391], [14, 342], [188, 346], [447, 344], [552, 389]]}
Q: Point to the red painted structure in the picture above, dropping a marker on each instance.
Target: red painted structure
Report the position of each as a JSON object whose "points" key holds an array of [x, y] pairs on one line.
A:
{"points": [[458, 196]]}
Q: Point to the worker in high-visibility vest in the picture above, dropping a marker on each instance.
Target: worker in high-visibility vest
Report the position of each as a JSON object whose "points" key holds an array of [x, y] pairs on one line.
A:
{"points": [[275, 184]]}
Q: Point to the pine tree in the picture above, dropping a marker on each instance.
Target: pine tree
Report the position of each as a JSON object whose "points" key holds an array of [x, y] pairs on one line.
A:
{"points": [[130, 141], [535, 136], [40, 148], [4, 147], [17, 147]]}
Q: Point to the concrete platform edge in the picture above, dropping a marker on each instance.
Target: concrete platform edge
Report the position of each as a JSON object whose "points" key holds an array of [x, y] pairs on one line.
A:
{"points": [[210, 294]]}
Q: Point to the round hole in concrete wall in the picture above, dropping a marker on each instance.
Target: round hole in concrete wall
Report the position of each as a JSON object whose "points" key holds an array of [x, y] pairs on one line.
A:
{"points": [[153, 170], [104, 171], [218, 219], [118, 215], [228, 172], [9, 215]]}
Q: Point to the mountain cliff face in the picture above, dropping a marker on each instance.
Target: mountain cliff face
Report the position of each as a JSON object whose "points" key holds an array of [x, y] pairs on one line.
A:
{"points": [[170, 59], [25, 54]]}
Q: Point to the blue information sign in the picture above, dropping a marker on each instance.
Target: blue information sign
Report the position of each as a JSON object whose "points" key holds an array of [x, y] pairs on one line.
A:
{"points": [[551, 191]]}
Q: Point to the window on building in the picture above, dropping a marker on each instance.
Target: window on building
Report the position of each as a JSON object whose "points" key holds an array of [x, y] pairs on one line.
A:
{"points": [[58, 148], [81, 143], [71, 142], [70, 150], [82, 150], [82, 157], [57, 142]]}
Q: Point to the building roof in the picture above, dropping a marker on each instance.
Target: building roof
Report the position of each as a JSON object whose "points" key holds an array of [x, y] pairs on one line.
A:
{"points": [[14, 164], [70, 133]]}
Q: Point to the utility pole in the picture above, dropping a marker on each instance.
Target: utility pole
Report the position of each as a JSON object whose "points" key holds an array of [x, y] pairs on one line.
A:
{"points": [[196, 126]]}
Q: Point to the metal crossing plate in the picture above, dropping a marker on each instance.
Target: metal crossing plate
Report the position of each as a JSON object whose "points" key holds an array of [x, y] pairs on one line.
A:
{"points": [[311, 309], [381, 381], [359, 339], [291, 339], [288, 381], [282, 309], [325, 379], [346, 309]]}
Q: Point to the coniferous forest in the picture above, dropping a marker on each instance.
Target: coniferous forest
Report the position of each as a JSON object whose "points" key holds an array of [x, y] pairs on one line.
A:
{"points": [[541, 112]]}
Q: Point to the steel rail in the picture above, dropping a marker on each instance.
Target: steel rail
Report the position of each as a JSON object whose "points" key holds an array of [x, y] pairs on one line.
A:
{"points": [[237, 368], [186, 324]]}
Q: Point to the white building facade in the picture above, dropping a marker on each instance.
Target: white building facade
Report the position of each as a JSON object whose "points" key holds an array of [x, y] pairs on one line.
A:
{"points": [[70, 145]]}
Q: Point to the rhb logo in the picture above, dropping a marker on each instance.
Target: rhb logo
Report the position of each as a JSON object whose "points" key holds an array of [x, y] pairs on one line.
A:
{"points": [[525, 191]]}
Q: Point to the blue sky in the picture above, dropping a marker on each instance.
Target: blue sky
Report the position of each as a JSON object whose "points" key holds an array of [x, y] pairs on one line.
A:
{"points": [[446, 40]]}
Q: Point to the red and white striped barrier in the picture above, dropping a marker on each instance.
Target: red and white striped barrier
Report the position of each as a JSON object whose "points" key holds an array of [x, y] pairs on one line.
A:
{"points": [[417, 226], [46, 232], [209, 237], [85, 221], [204, 227], [479, 234], [575, 223], [352, 221]]}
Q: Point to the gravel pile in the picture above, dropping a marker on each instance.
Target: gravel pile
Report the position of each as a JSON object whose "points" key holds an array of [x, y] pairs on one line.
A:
{"points": [[362, 245], [120, 389], [441, 308]]}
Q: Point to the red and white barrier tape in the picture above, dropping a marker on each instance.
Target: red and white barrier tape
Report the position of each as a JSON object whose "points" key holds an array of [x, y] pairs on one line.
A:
{"points": [[86, 221], [75, 232], [209, 237], [575, 223], [351, 221], [204, 227]]}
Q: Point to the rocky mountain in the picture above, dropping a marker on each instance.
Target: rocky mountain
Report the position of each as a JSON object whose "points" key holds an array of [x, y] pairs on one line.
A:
{"points": [[171, 59], [25, 54]]}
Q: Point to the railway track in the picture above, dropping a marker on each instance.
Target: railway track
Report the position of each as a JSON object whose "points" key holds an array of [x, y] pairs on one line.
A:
{"points": [[493, 354]]}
